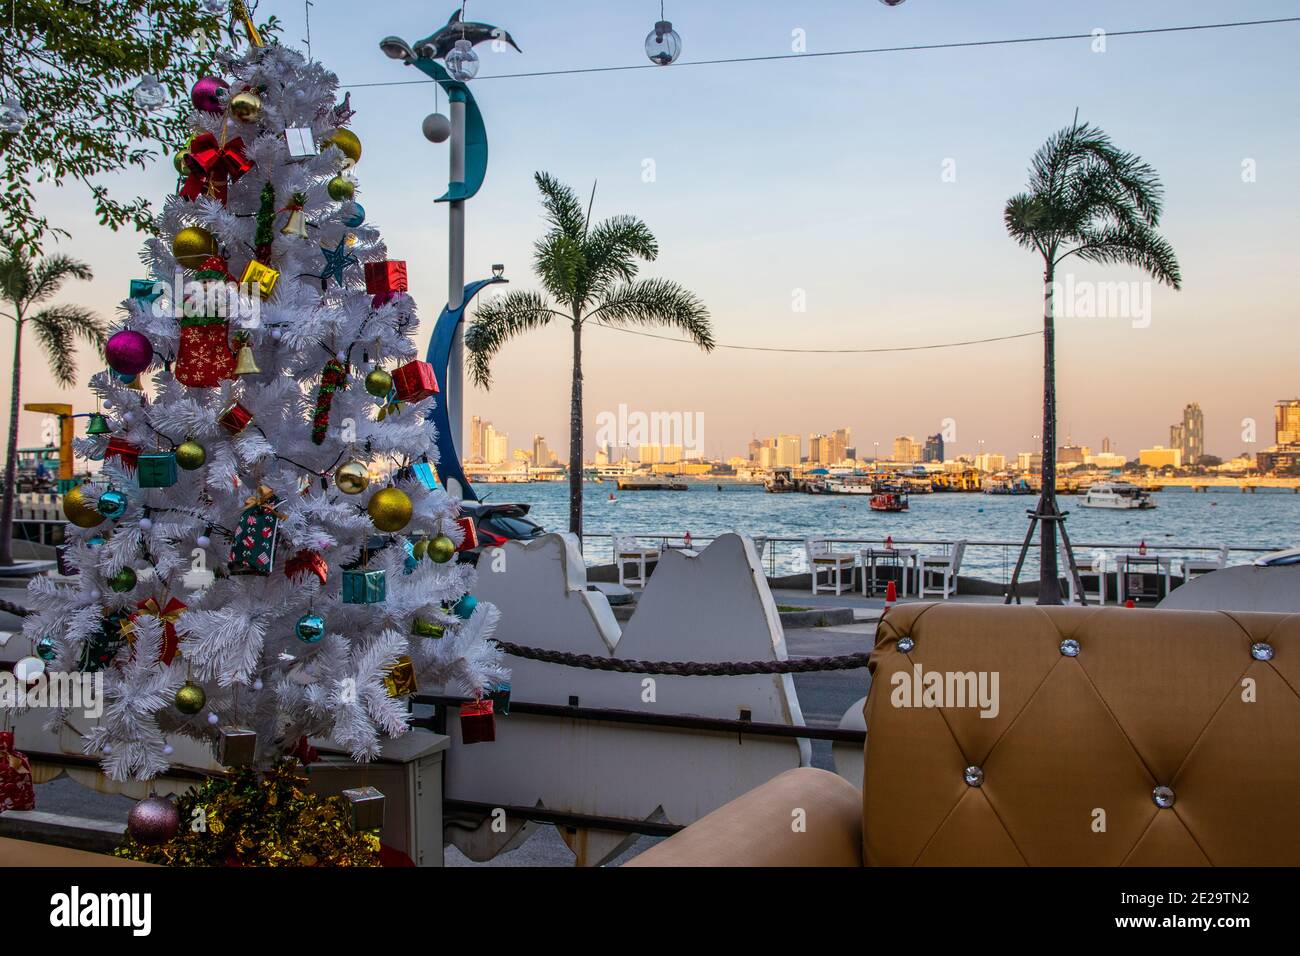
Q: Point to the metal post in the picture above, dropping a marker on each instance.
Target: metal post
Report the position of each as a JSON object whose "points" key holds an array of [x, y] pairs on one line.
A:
{"points": [[456, 283]]}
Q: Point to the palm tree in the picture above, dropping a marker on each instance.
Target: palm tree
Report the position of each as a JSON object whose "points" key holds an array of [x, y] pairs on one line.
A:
{"points": [[591, 273], [25, 283], [1086, 198]]}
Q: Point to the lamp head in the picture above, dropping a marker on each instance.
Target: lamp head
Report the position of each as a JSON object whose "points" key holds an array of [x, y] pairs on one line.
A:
{"points": [[498, 270], [396, 48]]}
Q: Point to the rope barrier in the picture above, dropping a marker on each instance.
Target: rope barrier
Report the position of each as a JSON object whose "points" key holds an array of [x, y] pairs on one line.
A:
{"points": [[802, 665]]}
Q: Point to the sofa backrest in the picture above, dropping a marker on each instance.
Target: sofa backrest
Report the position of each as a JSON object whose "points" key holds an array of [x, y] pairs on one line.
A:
{"points": [[1114, 736]]}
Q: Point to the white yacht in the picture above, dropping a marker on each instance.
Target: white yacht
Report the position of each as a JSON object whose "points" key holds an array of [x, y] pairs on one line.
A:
{"points": [[1119, 495]]}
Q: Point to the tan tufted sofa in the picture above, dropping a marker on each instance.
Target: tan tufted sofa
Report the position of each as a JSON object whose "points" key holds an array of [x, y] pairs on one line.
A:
{"points": [[1155, 738]]}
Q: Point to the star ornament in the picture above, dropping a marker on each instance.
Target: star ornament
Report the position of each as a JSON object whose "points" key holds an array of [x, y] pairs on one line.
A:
{"points": [[337, 260]]}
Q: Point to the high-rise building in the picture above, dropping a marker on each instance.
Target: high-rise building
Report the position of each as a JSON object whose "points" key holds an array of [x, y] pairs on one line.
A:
{"points": [[496, 445], [787, 451], [841, 441], [1160, 457], [1105, 446], [475, 439], [1030, 461], [1286, 414], [541, 452], [1072, 454], [933, 450], [907, 449], [1188, 436]]}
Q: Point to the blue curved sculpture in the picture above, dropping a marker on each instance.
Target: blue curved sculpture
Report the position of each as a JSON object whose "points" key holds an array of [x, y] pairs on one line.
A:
{"points": [[444, 333], [476, 144]]}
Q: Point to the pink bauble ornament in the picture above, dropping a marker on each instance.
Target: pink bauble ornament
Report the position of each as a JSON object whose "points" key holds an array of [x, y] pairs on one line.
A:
{"points": [[210, 94], [153, 820], [128, 352]]}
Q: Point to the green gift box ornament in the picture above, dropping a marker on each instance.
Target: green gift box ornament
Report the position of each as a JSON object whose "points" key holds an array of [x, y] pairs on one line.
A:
{"points": [[364, 587], [157, 470]]}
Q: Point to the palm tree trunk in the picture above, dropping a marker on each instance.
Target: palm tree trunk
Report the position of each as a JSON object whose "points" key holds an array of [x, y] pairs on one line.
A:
{"points": [[11, 454], [1049, 585], [575, 434]]}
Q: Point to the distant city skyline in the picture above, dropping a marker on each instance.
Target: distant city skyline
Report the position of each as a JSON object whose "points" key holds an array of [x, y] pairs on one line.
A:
{"points": [[877, 245]]}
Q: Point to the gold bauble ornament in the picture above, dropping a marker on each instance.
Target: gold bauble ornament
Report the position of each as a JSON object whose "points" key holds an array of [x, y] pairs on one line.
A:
{"points": [[340, 189], [192, 246], [179, 162], [348, 144], [352, 478], [246, 106], [442, 549], [190, 455], [379, 383], [80, 511], [190, 698], [390, 509]]}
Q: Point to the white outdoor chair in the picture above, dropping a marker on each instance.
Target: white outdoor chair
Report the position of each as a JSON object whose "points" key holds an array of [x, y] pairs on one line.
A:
{"points": [[944, 567], [1196, 566], [627, 551], [822, 558], [1101, 567]]}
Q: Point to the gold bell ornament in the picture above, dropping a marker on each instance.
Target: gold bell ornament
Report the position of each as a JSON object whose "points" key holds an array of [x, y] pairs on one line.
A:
{"points": [[245, 364], [297, 224]]}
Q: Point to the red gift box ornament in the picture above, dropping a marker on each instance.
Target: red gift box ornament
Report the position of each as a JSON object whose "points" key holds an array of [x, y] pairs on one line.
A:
{"points": [[126, 451], [203, 356], [16, 790], [212, 165], [477, 724], [386, 276], [414, 381], [235, 418], [304, 562], [168, 614], [471, 534]]}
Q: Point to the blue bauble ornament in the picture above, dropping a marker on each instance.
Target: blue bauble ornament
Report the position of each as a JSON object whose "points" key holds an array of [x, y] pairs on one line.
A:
{"points": [[96, 541], [124, 378], [464, 608], [310, 628], [112, 504], [356, 215], [45, 649]]}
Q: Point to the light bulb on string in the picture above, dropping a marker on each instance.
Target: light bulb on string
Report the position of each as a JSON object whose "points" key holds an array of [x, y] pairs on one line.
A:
{"points": [[149, 94], [663, 45], [462, 61], [215, 8], [12, 116]]}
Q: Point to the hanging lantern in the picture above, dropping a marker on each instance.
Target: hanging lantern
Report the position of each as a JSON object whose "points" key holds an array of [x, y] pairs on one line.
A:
{"points": [[663, 45], [462, 61], [149, 94], [12, 116], [436, 127]]}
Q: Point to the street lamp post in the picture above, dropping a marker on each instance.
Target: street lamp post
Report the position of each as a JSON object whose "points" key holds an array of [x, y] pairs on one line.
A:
{"points": [[466, 171]]}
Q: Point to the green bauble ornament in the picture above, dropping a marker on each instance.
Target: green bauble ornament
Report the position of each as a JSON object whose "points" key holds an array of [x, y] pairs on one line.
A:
{"points": [[190, 455], [45, 649], [420, 548], [341, 189], [122, 581], [190, 698], [379, 383], [442, 549]]}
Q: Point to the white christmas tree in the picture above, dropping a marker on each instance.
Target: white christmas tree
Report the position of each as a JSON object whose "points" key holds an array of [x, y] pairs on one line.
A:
{"points": [[266, 547]]}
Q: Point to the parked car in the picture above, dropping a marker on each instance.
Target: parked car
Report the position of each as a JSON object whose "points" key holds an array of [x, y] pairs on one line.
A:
{"points": [[498, 523]]}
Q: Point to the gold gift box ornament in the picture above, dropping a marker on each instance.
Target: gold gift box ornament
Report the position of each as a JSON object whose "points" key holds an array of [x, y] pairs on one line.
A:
{"points": [[399, 681], [261, 275]]}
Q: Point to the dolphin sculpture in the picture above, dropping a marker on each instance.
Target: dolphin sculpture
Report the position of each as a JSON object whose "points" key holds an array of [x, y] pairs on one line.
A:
{"points": [[437, 45]]}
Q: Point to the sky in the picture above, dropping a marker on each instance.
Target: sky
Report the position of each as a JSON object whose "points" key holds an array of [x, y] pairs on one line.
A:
{"points": [[868, 189]]}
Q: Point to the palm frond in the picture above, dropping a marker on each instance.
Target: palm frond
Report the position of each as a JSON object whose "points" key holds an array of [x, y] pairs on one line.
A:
{"points": [[15, 270], [656, 302], [50, 274], [563, 208], [58, 329], [496, 322], [558, 261], [612, 248], [1139, 246]]}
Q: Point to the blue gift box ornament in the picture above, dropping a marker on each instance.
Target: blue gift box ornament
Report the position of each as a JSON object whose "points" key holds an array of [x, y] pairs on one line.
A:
{"points": [[364, 587], [426, 475], [411, 562], [500, 695], [145, 290]]}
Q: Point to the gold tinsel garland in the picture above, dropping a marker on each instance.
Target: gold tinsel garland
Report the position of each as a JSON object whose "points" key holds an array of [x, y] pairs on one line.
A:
{"points": [[260, 819]]}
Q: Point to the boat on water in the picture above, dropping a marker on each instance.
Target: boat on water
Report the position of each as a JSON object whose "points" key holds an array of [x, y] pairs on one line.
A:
{"points": [[1117, 496], [1007, 486], [851, 485], [889, 501], [655, 484]]}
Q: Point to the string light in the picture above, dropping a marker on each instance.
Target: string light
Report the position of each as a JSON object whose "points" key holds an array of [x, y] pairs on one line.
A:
{"points": [[764, 348]]}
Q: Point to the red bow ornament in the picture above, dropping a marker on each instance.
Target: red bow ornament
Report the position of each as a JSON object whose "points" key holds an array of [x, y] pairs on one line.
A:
{"points": [[213, 165], [168, 614]]}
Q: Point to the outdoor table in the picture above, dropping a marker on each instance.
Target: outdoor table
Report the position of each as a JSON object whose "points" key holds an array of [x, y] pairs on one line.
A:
{"points": [[900, 557], [1140, 564]]}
